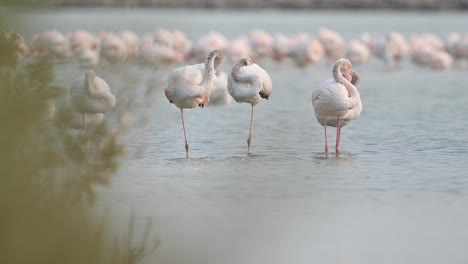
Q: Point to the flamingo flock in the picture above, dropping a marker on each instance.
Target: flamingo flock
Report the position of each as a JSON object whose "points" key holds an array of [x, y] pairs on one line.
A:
{"points": [[164, 46], [336, 101]]}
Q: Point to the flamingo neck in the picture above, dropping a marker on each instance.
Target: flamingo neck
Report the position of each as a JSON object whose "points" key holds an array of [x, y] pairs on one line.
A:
{"points": [[212, 61], [235, 72], [250, 79], [89, 82], [338, 76]]}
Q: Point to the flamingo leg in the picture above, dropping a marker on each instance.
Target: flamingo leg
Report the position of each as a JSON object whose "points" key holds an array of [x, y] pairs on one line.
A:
{"points": [[249, 140], [84, 123], [338, 136], [326, 138], [185, 133]]}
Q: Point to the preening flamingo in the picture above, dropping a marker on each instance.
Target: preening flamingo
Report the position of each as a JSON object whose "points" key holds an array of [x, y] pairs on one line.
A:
{"points": [[190, 86], [89, 94], [249, 83], [337, 101], [219, 95]]}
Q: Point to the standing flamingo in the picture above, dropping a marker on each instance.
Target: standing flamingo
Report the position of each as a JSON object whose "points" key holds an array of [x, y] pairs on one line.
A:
{"points": [[89, 94], [337, 101], [190, 85], [249, 83]]}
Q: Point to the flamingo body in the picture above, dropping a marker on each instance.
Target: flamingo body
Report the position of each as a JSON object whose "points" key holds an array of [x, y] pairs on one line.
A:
{"points": [[219, 95], [184, 86], [331, 99], [249, 83], [191, 85], [245, 92], [337, 101], [100, 100]]}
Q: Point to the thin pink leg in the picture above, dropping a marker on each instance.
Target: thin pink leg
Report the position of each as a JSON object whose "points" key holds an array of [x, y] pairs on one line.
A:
{"points": [[185, 133], [249, 140], [84, 123], [338, 136], [326, 138]]}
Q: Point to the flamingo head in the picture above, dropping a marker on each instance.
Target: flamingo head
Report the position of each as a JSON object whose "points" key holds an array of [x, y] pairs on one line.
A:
{"points": [[346, 68], [247, 61]]}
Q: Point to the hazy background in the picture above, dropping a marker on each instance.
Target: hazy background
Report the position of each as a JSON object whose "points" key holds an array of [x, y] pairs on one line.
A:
{"points": [[126, 193], [277, 4]]}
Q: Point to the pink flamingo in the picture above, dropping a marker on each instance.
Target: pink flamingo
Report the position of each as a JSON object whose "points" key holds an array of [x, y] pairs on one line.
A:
{"points": [[337, 101], [190, 86]]}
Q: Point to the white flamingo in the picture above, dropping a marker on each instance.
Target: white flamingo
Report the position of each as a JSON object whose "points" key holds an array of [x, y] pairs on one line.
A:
{"points": [[190, 86], [52, 44], [89, 94], [88, 59], [113, 48], [337, 101], [238, 48], [219, 95], [206, 43], [280, 49], [332, 42], [132, 43], [358, 52], [261, 43], [249, 83], [81, 40], [305, 50]]}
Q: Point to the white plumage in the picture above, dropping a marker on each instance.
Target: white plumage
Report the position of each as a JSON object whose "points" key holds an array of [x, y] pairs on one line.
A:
{"points": [[89, 94], [337, 101], [220, 95], [255, 83], [184, 86], [190, 86], [249, 83]]}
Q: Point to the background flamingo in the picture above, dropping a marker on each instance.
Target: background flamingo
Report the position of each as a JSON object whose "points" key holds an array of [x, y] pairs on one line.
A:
{"points": [[219, 95], [89, 94], [305, 50]]}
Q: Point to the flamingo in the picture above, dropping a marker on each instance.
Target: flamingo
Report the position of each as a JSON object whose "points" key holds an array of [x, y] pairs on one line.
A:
{"points": [[337, 101], [88, 59], [261, 43], [212, 40], [332, 43], [249, 83], [51, 44], [89, 94], [190, 86], [305, 50], [238, 48], [358, 52], [219, 95], [113, 48], [131, 41], [280, 49], [81, 40]]}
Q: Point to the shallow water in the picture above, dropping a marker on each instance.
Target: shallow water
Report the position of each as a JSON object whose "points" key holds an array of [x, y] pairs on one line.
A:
{"points": [[397, 194]]}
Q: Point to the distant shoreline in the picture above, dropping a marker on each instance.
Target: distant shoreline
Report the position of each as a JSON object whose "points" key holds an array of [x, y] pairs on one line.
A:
{"points": [[264, 4]]}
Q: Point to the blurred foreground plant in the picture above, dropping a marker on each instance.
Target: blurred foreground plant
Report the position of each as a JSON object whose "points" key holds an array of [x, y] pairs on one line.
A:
{"points": [[47, 174]]}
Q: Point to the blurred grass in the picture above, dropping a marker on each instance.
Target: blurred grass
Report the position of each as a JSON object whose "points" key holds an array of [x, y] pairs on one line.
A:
{"points": [[48, 174]]}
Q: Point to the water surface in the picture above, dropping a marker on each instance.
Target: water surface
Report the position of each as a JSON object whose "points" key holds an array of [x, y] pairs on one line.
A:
{"points": [[397, 194]]}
